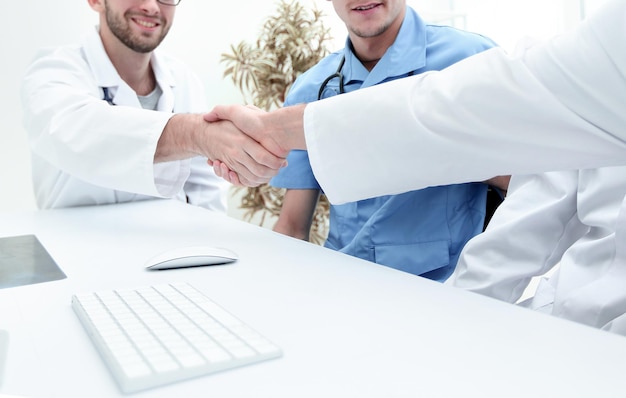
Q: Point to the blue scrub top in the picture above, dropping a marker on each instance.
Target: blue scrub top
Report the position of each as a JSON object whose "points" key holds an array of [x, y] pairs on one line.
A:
{"points": [[424, 231]]}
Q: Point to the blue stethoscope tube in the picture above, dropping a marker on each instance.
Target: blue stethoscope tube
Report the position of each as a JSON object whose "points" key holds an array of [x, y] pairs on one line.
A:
{"points": [[106, 96], [339, 76]]}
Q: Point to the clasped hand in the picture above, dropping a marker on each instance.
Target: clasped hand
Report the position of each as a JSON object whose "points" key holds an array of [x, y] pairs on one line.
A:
{"points": [[260, 158]]}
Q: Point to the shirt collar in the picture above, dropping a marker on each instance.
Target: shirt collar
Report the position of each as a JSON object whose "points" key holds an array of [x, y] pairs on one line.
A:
{"points": [[406, 54], [105, 73]]}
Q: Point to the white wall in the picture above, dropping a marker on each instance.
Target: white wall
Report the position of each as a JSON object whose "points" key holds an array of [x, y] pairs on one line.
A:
{"points": [[202, 32]]}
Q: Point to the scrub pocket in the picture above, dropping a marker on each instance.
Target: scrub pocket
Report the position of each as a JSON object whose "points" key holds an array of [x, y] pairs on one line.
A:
{"points": [[416, 258]]}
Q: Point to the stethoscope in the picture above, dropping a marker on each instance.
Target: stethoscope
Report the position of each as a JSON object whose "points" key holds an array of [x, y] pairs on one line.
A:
{"points": [[106, 96], [339, 76]]}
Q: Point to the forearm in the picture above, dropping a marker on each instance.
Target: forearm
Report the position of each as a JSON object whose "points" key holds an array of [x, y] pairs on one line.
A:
{"points": [[296, 215], [285, 227], [180, 138], [286, 126]]}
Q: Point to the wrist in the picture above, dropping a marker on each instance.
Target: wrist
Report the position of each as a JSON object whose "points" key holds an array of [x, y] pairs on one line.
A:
{"points": [[289, 127], [178, 139]]}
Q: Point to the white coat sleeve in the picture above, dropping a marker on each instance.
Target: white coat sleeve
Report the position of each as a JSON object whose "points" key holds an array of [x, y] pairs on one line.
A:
{"points": [[555, 106], [72, 128], [526, 237]]}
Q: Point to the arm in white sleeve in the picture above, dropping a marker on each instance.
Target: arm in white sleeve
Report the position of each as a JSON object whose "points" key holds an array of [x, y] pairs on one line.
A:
{"points": [[73, 129], [556, 106], [526, 237]]}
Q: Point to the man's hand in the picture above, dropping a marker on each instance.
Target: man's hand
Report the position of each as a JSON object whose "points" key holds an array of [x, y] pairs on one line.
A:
{"points": [[250, 120], [221, 170], [278, 131], [188, 135]]}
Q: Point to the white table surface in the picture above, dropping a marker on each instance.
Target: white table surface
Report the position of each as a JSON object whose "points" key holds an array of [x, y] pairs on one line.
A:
{"points": [[348, 328]]}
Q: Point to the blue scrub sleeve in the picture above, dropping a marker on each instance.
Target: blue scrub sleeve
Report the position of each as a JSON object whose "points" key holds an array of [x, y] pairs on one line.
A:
{"points": [[298, 173]]}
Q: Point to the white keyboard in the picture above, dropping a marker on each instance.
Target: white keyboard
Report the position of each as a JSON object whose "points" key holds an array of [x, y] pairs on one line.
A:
{"points": [[165, 333]]}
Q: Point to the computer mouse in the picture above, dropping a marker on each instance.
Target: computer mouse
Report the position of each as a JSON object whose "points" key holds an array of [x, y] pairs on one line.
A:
{"points": [[191, 256]]}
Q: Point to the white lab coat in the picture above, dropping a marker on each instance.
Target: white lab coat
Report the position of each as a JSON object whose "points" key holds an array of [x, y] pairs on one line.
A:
{"points": [[86, 152], [569, 216], [555, 106]]}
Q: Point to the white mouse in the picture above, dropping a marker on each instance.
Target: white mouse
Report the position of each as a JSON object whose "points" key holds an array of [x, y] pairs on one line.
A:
{"points": [[191, 256]]}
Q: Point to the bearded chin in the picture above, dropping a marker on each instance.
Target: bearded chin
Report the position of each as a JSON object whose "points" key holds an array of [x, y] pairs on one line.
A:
{"points": [[370, 33], [124, 34], [142, 47], [135, 44]]}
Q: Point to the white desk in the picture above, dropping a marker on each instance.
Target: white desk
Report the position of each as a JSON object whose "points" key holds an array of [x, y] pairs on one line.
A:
{"points": [[348, 328]]}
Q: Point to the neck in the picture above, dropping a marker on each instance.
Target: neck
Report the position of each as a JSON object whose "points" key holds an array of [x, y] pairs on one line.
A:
{"points": [[369, 50], [369, 64], [138, 74], [133, 67]]}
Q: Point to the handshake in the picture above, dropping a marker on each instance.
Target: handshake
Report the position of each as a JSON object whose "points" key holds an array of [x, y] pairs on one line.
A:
{"points": [[245, 145]]}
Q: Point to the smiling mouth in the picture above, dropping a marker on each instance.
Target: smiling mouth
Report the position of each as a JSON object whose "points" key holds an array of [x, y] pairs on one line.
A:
{"points": [[366, 7], [146, 24]]}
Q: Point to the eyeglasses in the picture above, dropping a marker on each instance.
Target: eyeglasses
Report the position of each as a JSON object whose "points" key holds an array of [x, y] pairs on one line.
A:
{"points": [[169, 2]]}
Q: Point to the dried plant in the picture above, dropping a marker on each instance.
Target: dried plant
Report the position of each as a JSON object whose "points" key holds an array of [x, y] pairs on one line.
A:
{"points": [[291, 42]]}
